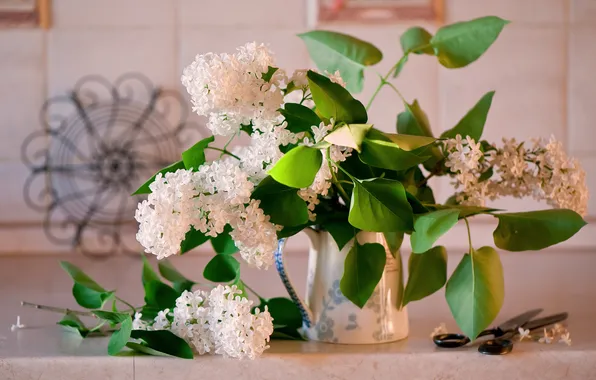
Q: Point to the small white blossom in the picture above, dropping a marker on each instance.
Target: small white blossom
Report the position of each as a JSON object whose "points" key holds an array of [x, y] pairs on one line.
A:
{"points": [[441, 329], [524, 334], [565, 338], [18, 325], [546, 338]]}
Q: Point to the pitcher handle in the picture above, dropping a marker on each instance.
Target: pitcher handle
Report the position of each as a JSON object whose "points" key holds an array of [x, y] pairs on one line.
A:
{"points": [[307, 317]]}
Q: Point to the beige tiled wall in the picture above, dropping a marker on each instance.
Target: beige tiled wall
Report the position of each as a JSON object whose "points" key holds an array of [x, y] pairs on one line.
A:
{"points": [[542, 69]]}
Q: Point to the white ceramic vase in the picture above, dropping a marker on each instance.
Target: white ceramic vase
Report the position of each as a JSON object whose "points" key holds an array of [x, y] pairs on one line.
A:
{"points": [[328, 316]]}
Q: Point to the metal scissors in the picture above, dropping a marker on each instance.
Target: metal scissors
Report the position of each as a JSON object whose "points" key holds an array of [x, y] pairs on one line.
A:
{"points": [[501, 344]]}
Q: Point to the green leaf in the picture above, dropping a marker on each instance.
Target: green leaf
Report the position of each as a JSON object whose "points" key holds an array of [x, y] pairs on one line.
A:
{"points": [[222, 268], [363, 269], [143, 349], [473, 123], [164, 341], [74, 323], [192, 239], [333, 51], [283, 311], [394, 241], [269, 74], [379, 151], [159, 295], [413, 121], [485, 176], [80, 277], [341, 231], [400, 66], [350, 135], [170, 273], [286, 333], [111, 316], [282, 203], [380, 205], [475, 291], [194, 157], [298, 167], [223, 243], [427, 273], [148, 274], [410, 142], [416, 40], [428, 228], [90, 298], [457, 45], [144, 189], [535, 230], [335, 102], [299, 118], [120, 337]]}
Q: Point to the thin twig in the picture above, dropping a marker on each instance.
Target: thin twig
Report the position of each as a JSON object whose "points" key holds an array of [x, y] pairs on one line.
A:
{"points": [[58, 309]]}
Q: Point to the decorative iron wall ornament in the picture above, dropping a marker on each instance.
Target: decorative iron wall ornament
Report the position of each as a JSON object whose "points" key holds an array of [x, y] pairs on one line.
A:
{"points": [[98, 144]]}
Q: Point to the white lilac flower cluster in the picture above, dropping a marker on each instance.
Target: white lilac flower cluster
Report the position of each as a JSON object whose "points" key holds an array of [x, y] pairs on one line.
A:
{"points": [[216, 195], [558, 333], [543, 171], [230, 89], [218, 322]]}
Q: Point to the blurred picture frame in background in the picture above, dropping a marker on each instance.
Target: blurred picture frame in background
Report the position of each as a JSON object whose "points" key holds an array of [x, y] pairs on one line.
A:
{"points": [[25, 14], [379, 11]]}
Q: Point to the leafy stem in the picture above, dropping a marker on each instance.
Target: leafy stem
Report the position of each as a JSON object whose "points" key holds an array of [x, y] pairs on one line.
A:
{"points": [[225, 148], [342, 192], [58, 309], [384, 79], [223, 151], [126, 303], [261, 299], [469, 235]]}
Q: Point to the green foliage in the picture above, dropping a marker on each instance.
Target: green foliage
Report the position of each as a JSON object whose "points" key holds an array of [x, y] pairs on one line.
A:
{"points": [[413, 121], [394, 241], [473, 123], [144, 189], [380, 205], [148, 274], [416, 40], [282, 203], [194, 157], [222, 268], [457, 45], [120, 337], [298, 167], [363, 269], [299, 118], [379, 151], [475, 291], [269, 74], [427, 274], [535, 230], [223, 243], [349, 135], [170, 273], [341, 231], [428, 228], [284, 312], [73, 323], [88, 293], [333, 51], [192, 239], [162, 341], [335, 102]]}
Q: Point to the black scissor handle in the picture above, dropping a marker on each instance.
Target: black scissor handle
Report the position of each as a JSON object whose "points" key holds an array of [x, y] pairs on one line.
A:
{"points": [[450, 340], [496, 347]]}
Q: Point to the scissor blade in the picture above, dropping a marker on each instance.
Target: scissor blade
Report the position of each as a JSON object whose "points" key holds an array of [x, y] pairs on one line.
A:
{"points": [[542, 322], [518, 321]]}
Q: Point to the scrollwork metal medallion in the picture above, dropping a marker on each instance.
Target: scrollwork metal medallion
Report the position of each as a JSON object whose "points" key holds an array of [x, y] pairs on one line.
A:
{"points": [[97, 145]]}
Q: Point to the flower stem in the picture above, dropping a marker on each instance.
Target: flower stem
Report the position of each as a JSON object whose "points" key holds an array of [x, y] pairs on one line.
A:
{"points": [[223, 151], [226, 146], [127, 304], [57, 309], [261, 299], [469, 235], [384, 80]]}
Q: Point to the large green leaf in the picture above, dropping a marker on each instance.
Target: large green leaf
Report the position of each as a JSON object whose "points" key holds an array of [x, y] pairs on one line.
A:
{"points": [[475, 291], [223, 242], [394, 241], [350, 135], [222, 268], [170, 273], [416, 40], [458, 45], [413, 121], [410, 142], [192, 239], [163, 341], [144, 189], [148, 274], [120, 337], [473, 123], [298, 167], [428, 228], [427, 273], [341, 231], [112, 317], [194, 157], [379, 151], [299, 118], [89, 298], [283, 311], [333, 51], [380, 205], [282, 203], [363, 269], [73, 323], [159, 295], [335, 102], [80, 277], [535, 230]]}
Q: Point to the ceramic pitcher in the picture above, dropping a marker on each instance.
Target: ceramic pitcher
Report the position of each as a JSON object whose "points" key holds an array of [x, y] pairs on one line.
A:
{"points": [[328, 316]]}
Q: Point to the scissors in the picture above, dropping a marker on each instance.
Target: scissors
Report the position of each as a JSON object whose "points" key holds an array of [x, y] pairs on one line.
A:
{"points": [[501, 344]]}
